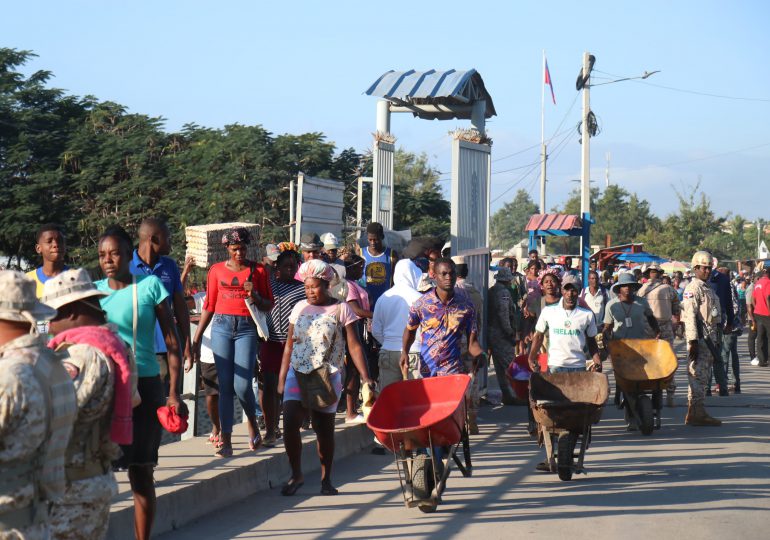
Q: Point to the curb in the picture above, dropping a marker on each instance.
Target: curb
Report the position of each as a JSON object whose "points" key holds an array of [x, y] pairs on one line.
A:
{"points": [[191, 482]]}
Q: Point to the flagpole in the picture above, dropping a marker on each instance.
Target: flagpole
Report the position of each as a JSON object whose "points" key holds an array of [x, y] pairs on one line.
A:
{"points": [[543, 154]]}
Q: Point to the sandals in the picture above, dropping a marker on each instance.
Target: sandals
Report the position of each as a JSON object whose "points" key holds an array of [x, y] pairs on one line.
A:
{"points": [[215, 440], [255, 443], [290, 488], [224, 452]]}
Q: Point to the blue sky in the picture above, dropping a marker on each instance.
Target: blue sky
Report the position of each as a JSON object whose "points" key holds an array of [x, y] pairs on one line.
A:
{"points": [[303, 66]]}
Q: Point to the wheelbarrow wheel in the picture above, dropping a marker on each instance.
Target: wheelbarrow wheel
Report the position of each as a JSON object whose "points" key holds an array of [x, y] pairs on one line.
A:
{"points": [[646, 415], [565, 456], [422, 477]]}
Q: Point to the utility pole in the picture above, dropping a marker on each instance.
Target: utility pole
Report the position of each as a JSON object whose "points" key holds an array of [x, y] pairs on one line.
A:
{"points": [[607, 172], [585, 169]]}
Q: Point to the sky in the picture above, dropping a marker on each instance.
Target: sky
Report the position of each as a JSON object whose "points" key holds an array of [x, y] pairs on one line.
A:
{"points": [[301, 66]]}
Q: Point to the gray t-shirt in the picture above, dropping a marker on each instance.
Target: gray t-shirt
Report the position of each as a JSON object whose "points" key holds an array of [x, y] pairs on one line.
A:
{"points": [[629, 321]]}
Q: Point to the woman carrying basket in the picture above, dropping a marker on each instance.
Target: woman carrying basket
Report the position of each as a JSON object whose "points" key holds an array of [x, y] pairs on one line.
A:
{"points": [[312, 369]]}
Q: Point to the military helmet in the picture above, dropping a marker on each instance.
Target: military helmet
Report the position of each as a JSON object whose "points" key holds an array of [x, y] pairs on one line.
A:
{"points": [[702, 258]]}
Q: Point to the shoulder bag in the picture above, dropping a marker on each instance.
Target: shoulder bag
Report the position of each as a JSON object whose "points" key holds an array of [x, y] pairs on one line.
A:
{"points": [[316, 388], [259, 317]]}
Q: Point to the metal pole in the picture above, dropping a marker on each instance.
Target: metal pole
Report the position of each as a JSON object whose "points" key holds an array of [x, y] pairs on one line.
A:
{"points": [[585, 176], [360, 205], [759, 232], [291, 211], [383, 116]]}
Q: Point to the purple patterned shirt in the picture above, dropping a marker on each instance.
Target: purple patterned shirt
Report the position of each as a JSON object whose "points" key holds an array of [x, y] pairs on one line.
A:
{"points": [[442, 327]]}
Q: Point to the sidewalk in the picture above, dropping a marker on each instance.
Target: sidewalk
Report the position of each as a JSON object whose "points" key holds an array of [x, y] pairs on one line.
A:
{"points": [[191, 482]]}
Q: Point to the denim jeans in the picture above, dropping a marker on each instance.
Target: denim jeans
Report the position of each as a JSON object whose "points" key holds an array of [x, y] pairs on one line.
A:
{"points": [[235, 346], [730, 356], [558, 369]]}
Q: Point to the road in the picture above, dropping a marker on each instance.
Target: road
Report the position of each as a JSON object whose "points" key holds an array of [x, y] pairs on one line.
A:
{"points": [[680, 482]]}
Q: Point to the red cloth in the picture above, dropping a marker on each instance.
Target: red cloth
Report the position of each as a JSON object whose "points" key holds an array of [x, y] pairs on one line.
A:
{"points": [[171, 421], [102, 338], [225, 294], [761, 292]]}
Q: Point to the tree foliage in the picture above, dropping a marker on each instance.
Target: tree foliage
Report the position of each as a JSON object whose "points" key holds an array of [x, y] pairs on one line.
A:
{"points": [[87, 164], [507, 225]]}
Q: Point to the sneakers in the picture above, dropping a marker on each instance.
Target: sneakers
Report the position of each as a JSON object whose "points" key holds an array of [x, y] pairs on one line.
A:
{"points": [[359, 419], [755, 361]]}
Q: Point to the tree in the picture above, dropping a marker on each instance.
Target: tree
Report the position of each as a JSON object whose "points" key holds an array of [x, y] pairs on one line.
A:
{"points": [[507, 224], [418, 202]]}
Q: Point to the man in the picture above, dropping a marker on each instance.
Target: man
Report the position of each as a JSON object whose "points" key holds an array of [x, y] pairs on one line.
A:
{"points": [[480, 380], [390, 317], [761, 313], [443, 317], [150, 259], [310, 245], [37, 410], [52, 248], [720, 284], [532, 255], [568, 270], [595, 296], [379, 263], [98, 364], [571, 331], [271, 256], [751, 322], [664, 303], [628, 316], [502, 330], [702, 316], [331, 247]]}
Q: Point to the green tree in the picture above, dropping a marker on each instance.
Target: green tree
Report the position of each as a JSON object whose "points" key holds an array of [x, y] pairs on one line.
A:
{"points": [[507, 224], [418, 200]]}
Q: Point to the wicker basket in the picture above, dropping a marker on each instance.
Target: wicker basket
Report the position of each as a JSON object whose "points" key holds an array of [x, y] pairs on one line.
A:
{"points": [[204, 242]]}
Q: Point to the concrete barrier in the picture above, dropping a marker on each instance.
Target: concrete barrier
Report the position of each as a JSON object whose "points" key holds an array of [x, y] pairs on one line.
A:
{"points": [[191, 482]]}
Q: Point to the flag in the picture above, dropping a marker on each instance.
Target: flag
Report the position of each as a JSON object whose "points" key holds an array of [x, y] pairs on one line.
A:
{"points": [[548, 81]]}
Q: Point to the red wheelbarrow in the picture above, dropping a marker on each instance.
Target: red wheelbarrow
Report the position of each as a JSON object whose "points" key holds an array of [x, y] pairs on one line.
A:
{"points": [[416, 420], [518, 369]]}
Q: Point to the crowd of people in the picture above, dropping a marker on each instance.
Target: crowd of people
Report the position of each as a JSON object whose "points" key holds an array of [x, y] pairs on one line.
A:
{"points": [[87, 365]]}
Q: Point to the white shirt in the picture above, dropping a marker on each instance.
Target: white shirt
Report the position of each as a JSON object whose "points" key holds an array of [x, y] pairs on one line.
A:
{"points": [[567, 333], [207, 355], [596, 302], [391, 312]]}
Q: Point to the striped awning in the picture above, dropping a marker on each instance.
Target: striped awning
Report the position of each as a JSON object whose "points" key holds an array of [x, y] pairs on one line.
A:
{"points": [[554, 222]]}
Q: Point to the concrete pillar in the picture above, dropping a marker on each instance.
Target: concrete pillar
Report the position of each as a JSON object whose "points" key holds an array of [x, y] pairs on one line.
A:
{"points": [[383, 116]]}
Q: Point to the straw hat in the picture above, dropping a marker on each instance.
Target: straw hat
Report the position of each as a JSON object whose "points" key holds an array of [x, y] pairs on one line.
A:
{"points": [[70, 286], [18, 302]]}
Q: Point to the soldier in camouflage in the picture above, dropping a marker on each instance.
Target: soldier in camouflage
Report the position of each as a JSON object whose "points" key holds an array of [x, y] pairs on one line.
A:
{"points": [[701, 317], [37, 409], [501, 317], [92, 354]]}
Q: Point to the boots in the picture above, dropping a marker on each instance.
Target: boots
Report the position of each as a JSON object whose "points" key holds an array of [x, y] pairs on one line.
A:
{"points": [[697, 416], [473, 427]]}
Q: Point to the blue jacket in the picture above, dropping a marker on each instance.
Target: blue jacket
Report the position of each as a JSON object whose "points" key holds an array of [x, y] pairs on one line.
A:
{"points": [[720, 284]]}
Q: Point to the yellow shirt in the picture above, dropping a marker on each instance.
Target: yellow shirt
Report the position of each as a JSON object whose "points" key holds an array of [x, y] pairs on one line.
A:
{"points": [[35, 275]]}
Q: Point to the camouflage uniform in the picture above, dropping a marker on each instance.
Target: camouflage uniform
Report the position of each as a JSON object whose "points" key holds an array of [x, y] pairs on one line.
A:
{"points": [[84, 511], [699, 299], [37, 408], [664, 302], [502, 334]]}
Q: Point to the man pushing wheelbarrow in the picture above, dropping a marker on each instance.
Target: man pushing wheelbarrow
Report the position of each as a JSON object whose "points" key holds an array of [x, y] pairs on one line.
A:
{"points": [[570, 397]]}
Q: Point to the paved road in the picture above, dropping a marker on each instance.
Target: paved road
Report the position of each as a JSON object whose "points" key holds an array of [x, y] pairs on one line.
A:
{"points": [[681, 481]]}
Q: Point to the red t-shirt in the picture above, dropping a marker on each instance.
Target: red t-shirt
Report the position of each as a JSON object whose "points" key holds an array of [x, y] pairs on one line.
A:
{"points": [[761, 292], [225, 293]]}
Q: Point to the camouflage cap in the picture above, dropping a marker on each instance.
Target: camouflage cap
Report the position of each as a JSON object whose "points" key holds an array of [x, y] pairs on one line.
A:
{"points": [[18, 302]]}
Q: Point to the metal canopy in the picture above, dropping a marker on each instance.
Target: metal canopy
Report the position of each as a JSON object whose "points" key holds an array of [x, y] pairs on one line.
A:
{"points": [[433, 95]]}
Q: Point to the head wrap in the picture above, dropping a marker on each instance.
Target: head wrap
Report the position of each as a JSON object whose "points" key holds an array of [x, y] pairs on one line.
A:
{"points": [[316, 268], [548, 272], [287, 246], [238, 235]]}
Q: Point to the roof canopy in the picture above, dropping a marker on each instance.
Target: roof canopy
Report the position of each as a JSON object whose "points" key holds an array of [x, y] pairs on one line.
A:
{"points": [[433, 95], [553, 222]]}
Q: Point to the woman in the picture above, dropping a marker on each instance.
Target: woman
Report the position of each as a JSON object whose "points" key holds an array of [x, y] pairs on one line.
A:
{"points": [[148, 295], [287, 291], [315, 338], [358, 300], [233, 334]]}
